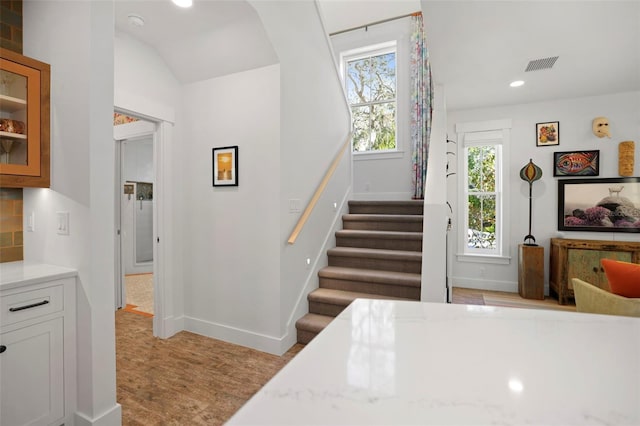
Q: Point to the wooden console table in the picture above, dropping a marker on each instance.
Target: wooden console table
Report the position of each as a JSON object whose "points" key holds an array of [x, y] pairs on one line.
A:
{"points": [[581, 259]]}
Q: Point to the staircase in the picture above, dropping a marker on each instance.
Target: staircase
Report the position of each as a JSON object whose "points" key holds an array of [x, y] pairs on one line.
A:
{"points": [[378, 256]]}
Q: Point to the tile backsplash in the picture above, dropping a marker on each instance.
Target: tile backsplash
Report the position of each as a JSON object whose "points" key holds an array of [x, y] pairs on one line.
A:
{"points": [[11, 224]]}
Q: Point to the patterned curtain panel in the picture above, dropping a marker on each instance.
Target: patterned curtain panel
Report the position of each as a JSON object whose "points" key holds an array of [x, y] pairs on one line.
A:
{"points": [[422, 105]]}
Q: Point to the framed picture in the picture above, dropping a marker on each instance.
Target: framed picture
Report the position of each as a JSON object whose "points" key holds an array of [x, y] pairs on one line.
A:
{"points": [[576, 163], [548, 134], [225, 166], [604, 205]]}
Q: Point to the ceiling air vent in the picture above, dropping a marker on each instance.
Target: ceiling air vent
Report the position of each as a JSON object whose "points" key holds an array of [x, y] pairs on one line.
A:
{"points": [[541, 64]]}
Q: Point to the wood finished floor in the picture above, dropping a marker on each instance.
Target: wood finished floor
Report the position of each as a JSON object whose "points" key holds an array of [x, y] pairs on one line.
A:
{"points": [[193, 380], [187, 379]]}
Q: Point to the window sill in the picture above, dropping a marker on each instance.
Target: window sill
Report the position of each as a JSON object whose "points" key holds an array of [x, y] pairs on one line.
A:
{"points": [[484, 258], [363, 156]]}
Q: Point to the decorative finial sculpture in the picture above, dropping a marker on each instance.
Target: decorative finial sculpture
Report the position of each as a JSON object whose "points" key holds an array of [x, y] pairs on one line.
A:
{"points": [[530, 173]]}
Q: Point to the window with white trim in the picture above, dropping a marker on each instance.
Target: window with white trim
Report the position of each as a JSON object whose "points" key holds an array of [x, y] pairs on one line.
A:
{"points": [[370, 84], [482, 194]]}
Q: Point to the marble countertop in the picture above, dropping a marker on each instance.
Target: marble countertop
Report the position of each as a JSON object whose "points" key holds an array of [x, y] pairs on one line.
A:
{"points": [[391, 362], [17, 274]]}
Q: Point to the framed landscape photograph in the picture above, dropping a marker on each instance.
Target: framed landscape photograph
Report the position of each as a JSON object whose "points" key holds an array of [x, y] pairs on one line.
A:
{"points": [[548, 134], [225, 166], [576, 163], [601, 205]]}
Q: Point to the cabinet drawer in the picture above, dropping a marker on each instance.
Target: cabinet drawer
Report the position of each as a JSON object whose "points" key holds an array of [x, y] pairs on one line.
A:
{"points": [[31, 304]]}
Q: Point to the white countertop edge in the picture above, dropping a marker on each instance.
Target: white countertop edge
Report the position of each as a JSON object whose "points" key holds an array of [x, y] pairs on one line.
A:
{"points": [[21, 273]]}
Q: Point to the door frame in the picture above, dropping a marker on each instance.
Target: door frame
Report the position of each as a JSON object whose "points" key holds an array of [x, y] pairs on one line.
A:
{"points": [[121, 133]]}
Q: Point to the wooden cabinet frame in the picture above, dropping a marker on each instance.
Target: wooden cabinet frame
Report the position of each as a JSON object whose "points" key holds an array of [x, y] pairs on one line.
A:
{"points": [[559, 279], [36, 173]]}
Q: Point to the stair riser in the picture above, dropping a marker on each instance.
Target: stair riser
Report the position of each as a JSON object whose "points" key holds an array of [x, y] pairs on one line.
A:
{"points": [[305, 336], [379, 243], [325, 309], [381, 208], [382, 226], [377, 264], [372, 288], [385, 209]]}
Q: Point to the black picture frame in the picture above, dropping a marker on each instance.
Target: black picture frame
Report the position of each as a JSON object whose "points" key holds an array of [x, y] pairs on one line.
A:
{"points": [[576, 163], [599, 205], [225, 166], [548, 133]]}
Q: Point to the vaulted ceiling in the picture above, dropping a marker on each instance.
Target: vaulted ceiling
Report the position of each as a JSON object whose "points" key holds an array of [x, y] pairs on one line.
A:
{"points": [[476, 47]]}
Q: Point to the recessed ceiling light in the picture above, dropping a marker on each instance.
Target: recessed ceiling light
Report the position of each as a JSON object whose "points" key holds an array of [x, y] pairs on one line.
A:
{"points": [[183, 3], [135, 20], [516, 83]]}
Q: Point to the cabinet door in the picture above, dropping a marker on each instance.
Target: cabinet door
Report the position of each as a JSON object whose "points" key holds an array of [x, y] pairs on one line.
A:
{"points": [[623, 256], [583, 264], [31, 375], [19, 119]]}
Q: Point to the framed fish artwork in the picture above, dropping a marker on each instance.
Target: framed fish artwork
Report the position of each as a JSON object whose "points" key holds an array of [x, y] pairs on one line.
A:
{"points": [[576, 163]]}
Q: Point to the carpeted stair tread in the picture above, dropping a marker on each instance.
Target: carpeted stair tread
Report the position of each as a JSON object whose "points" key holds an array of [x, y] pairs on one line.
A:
{"points": [[376, 253], [313, 322], [388, 235], [344, 298], [370, 275]]}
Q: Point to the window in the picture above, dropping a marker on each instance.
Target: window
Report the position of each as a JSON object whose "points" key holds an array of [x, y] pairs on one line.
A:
{"points": [[370, 83], [482, 196], [482, 192]]}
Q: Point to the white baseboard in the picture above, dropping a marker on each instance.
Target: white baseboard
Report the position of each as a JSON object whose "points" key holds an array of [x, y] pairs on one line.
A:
{"points": [[238, 336], [382, 196], [111, 417], [172, 326], [484, 284]]}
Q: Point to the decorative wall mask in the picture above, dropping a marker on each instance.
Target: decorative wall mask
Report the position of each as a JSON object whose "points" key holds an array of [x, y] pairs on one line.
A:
{"points": [[626, 155], [601, 127], [530, 173]]}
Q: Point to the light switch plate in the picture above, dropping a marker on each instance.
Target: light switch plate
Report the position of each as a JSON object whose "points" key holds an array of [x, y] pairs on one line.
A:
{"points": [[62, 223], [31, 222]]}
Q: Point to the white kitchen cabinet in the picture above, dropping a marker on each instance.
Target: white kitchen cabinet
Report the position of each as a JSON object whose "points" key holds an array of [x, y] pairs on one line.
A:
{"points": [[38, 359]]}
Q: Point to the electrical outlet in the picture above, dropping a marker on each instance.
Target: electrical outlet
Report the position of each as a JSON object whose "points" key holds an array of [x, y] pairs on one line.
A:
{"points": [[294, 205]]}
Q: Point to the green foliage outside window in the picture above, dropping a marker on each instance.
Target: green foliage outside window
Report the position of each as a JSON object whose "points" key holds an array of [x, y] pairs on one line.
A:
{"points": [[371, 91], [481, 170]]}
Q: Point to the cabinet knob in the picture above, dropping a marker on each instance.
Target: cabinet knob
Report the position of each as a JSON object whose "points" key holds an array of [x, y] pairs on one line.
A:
{"points": [[2, 348]]}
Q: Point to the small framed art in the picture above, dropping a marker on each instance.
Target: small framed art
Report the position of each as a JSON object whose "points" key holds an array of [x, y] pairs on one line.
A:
{"points": [[225, 166], [576, 163], [548, 134]]}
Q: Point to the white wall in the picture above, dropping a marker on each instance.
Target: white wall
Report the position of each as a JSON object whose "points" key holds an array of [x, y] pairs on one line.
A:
{"points": [[342, 15], [314, 126], [82, 168], [436, 211], [385, 176], [575, 116], [144, 85], [233, 252]]}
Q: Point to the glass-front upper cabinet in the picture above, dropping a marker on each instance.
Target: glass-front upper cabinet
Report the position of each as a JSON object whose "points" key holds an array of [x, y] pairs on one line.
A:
{"points": [[24, 121]]}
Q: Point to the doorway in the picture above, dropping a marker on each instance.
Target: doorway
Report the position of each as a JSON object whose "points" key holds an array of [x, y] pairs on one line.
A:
{"points": [[136, 215]]}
